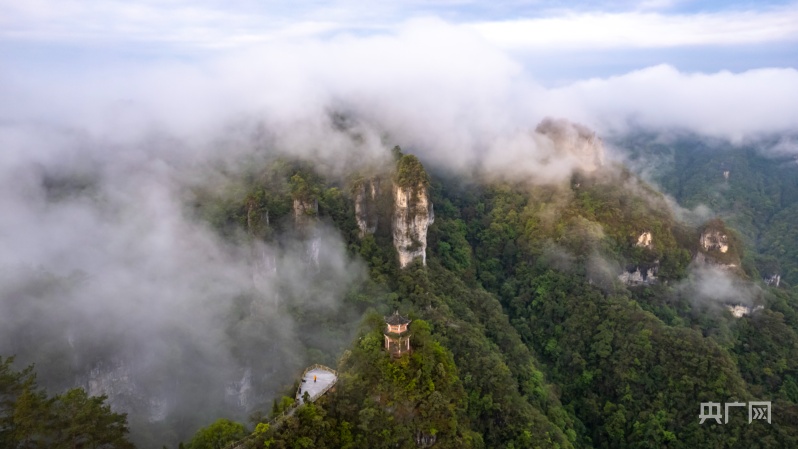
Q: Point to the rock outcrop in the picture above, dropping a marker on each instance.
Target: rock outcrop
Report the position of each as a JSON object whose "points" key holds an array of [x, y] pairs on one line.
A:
{"points": [[425, 440], [115, 380], [240, 392], [716, 247], [712, 240], [413, 213], [412, 210], [636, 276], [366, 193], [306, 213], [645, 240], [739, 310], [574, 141], [773, 280]]}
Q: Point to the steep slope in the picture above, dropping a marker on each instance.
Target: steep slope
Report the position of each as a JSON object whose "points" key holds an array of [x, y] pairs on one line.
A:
{"points": [[752, 186], [528, 336]]}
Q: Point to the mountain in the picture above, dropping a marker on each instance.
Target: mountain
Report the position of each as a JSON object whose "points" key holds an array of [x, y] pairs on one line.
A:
{"points": [[752, 185], [584, 313], [577, 311]]}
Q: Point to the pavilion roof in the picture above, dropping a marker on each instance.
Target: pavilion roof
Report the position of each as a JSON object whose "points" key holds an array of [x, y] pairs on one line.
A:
{"points": [[396, 319]]}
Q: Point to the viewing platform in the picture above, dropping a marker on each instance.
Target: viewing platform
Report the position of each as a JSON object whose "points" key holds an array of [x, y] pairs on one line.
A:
{"points": [[316, 380]]}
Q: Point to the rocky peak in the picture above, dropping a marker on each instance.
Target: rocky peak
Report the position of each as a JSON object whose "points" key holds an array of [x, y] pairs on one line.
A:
{"points": [[575, 141], [716, 246], [412, 210]]}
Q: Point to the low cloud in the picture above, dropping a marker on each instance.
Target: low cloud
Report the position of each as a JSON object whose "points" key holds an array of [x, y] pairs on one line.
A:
{"points": [[713, 286], [108, 281], [728, 105]]}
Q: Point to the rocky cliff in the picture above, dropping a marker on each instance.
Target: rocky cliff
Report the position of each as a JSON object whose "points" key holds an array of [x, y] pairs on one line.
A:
{"points": [[773, 280], [714, 240], [574, 141], [412, 211], [645, 240], [635, 276], [365, 194], [717, 246], [306, 213], [412, 216], [115, 380]]}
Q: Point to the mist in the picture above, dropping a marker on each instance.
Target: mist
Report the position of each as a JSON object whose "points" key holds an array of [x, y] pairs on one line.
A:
{"points": [[109, 281], [712, 287]]}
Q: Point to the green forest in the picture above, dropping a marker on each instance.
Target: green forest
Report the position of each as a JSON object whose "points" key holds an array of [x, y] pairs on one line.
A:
{"points": [[522, 333]]}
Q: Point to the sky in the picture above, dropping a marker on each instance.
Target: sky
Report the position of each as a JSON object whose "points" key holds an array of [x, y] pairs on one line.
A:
{"points": [[558, 43], [721, 68]]}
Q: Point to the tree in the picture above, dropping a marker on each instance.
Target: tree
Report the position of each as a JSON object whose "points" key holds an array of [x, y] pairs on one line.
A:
{"points": [[74, 420], [83, 421], [218, 435]]}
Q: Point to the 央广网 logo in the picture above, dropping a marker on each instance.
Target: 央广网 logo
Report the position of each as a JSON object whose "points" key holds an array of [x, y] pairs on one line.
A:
{"points": [[759, 410]]}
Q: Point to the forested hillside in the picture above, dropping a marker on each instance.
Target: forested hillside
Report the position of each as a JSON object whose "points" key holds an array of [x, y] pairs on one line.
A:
{"points": [[573, 314], [753, 185], [578, 311]]}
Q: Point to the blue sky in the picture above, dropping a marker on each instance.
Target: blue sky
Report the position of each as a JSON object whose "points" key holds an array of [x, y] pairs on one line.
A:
{"points": [[576, 39]]}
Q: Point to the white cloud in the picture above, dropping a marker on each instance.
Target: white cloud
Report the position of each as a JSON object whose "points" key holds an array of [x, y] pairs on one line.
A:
{"points": [[433, 86], [723, 104], [543, 25], [592, 30]]}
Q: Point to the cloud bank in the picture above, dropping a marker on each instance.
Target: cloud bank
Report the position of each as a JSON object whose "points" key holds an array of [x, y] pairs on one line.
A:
{"points": [[109, 281], [643, 29]]}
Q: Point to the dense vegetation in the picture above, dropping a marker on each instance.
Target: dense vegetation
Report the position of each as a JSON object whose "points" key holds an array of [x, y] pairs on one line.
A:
{"points": [[29, 418], [522, 334], [751, 185]]}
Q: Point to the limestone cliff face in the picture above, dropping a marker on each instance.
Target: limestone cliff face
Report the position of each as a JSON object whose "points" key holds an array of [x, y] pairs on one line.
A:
{"points": [[412, 216], [639, 276], [714, 240], [574, 141], [739, 310], [773, 280], [366, 194], [114, 379], [645, 240], [240, 392], [716, 247], [306, 213]]}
